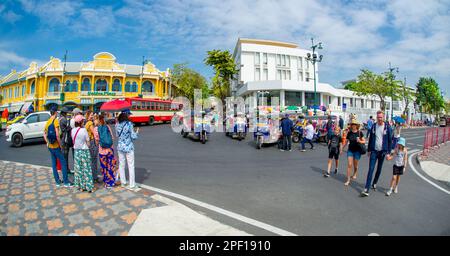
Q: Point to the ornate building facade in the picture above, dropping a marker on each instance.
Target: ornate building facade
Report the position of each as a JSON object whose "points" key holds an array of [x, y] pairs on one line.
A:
{"points": [[81, 84]]}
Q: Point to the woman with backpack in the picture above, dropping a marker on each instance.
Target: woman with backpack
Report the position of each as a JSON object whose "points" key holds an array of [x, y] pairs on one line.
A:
{"points": [[104, 138], [82, 163], [126, 134], [93, 147]]}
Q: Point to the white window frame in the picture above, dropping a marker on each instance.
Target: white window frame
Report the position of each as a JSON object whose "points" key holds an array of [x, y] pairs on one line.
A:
{"points": [[257, 74], [257, 58]]}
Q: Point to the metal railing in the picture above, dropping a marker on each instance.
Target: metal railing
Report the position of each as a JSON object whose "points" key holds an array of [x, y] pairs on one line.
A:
{"points": [[434, 137]]}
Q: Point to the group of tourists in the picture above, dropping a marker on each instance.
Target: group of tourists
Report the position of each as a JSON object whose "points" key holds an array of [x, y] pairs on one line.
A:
{"points": [[91, 141], [384, 142]]}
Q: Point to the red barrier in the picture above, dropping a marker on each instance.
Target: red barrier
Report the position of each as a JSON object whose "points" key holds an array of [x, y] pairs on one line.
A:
{"points": [[434, 137]]}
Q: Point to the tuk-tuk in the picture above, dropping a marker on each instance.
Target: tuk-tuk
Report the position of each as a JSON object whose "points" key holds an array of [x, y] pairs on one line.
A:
{"points": [[236, 126], [266, 132], [200, 127]]}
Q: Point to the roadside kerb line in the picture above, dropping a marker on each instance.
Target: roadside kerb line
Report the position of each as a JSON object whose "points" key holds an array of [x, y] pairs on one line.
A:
{"points": [[412, 138], [230, 214], [415, 152]]}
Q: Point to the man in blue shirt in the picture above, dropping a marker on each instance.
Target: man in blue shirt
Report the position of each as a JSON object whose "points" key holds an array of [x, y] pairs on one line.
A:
{"points": [[369, 126], [286, 129]]}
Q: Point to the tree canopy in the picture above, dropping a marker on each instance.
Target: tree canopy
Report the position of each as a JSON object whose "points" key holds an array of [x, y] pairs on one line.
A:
{"points": [[428, 96], [186, 80], [224, 71]]}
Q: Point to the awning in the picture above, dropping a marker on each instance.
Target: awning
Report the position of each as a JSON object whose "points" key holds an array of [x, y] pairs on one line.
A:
{"points": [[25, 107], [15, 109]]}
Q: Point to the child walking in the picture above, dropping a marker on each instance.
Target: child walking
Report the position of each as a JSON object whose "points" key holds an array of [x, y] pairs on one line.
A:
{"points": [[334, 150], [401, 160]]}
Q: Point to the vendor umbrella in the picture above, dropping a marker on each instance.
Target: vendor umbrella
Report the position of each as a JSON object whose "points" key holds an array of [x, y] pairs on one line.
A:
{"points": [[115, 106]]}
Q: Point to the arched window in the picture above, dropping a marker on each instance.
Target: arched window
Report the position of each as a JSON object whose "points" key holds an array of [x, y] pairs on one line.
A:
{"points": [[101, 85], [116, 86], [74, 86], [86, 85], [67, 86], [53, 85], [127, 86], [24, 88], [32, 88], [147, 86], [134, 87]]}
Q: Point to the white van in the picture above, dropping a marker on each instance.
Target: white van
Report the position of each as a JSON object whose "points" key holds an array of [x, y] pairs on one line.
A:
{"points": [[30, 128]]}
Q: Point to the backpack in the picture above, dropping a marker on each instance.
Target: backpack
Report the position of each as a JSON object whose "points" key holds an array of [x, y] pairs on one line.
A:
{"points": [[66, 134], [105, 136], [334, 143], [51, 132]]}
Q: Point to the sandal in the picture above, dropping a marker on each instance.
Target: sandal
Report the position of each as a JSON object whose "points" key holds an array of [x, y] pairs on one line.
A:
{"points": [[347, 183]]}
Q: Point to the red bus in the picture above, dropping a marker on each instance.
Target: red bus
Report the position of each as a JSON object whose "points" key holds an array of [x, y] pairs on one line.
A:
{"points": [[151, 111]]}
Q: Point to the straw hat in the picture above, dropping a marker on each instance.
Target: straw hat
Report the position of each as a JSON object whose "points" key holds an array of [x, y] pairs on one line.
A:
{"points": [[354, 121]]}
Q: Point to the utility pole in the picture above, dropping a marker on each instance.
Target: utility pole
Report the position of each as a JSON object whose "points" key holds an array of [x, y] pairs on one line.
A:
{"points": [[391, 77], [314, 59]]}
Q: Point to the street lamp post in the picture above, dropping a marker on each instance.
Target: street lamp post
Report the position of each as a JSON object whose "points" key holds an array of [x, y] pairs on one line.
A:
{"points": [[314, 59], [63, 85], [391, 69]]}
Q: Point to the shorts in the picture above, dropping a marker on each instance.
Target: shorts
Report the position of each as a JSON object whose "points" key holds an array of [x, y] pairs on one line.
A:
{"points": [[398, 170], [333, 154], [355, 154]]}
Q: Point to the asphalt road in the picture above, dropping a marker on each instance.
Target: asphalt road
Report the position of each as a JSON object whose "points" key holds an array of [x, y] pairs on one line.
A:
{"points": [[283, 189]]}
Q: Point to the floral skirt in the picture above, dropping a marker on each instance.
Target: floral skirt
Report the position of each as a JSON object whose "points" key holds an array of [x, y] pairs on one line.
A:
{"points": [[83, 170], [109, 165]]}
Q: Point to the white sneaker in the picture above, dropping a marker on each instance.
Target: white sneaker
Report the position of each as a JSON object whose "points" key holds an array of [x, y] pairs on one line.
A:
{"points": [[389, 192], [396, 190]]}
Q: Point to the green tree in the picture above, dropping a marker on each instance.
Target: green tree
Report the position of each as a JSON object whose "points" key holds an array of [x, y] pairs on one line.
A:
{"points": [[370, 83], [186, 80], [224, 71], [408, 97], [428, 96]]}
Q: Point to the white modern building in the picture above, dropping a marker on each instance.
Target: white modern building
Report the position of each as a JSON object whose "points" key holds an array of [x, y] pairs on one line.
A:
{"points": [[270, 69]]}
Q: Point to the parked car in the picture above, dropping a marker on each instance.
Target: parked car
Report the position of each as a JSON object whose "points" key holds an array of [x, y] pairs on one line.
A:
{"points": [[30, 128]]}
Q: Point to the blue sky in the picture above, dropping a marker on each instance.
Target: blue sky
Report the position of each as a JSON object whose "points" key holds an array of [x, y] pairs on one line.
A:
{"points": [[414, 35]]}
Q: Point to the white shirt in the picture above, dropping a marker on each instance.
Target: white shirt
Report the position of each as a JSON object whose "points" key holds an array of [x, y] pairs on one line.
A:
{"points": [[80, 141], [379, 137], [72, 123], [310, 132]]}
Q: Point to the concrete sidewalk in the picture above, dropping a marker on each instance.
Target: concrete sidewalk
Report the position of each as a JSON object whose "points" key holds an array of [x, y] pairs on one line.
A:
{"points": [[437, 163], [31, 204]]}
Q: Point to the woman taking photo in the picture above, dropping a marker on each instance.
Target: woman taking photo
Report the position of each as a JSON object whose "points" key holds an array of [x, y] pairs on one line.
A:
{"points": [[354, 140], [104, 138], [126, 134]]}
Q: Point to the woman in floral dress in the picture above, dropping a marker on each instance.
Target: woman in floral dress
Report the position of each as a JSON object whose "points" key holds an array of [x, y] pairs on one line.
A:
{"points": [[82, 163], [108, 162]]}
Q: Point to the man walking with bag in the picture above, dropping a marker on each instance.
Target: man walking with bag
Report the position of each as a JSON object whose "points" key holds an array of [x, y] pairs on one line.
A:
{"points": [[380, 146], [286, 129]]}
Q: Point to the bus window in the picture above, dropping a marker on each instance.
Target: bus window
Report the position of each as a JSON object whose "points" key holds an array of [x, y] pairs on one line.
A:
{"points": [[133, 105], [148, 105], [167, 106], [152, 106]]}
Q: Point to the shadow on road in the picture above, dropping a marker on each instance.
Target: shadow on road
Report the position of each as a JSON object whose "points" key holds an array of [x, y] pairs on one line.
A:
{"points": [[341, 177]]}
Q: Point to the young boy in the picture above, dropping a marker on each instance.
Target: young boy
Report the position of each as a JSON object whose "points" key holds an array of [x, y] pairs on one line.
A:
{"points": [[401, 160], [334, 150]]}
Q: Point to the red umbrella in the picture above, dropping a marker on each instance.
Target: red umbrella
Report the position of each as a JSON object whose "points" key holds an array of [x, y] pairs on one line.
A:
{"points": [[115, 106]]}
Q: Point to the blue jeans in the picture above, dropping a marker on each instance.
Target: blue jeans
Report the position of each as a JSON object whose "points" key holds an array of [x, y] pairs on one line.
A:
{"points": [[355, 154], [374, 157], [306, 140], [287, 142], [57, 154]]}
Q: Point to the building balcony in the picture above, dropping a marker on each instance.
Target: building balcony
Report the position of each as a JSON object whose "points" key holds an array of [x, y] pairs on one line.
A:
{"points": [[53, 94]]}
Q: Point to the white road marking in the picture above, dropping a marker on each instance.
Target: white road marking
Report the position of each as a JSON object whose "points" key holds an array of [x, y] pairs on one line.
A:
{"points": [[373, 234], [233, 215], [421, 176]]}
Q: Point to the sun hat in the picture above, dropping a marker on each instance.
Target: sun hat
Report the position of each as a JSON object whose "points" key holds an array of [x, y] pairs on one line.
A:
{"points": [[79, 118], [354, 121], [76, 111], [401, 141], [65, 110]]}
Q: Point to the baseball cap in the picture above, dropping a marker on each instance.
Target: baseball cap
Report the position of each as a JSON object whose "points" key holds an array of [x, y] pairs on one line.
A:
{"points": [[79, 118], [402, 141]]}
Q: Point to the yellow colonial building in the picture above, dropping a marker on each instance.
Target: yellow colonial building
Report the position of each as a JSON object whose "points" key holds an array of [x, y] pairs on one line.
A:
{"points": [[81, 84]]}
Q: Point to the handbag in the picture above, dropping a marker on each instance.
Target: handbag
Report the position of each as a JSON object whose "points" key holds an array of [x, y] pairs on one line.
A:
{"points": [[362, 148]]}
